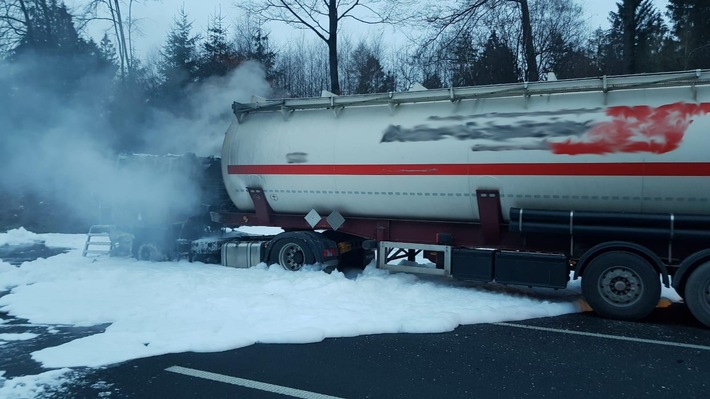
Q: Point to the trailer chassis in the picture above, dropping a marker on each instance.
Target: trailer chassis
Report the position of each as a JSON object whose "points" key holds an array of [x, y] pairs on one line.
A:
{"points": [[620, 256]]}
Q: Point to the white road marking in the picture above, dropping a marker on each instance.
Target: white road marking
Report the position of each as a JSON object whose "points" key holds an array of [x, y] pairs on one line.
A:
{"points": [[607, 336], [262, 386]]}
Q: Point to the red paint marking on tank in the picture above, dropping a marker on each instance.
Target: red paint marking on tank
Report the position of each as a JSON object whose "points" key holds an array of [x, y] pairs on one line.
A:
{"points": [[635, 129], [677, 169]]}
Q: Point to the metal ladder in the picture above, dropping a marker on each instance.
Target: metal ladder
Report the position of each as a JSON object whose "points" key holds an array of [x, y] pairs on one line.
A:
{"points": [[99, 235]]}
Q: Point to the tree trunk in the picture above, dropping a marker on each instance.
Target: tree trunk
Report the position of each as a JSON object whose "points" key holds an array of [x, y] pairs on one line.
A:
{"points": [[121, 55], [532, 73], [333, 46], [629, 37], [130, 37], [123, 46], [28, 21], [47, 18]]}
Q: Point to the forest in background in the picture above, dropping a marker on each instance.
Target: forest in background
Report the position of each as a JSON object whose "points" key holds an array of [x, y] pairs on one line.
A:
{"points": [[460, 43], [59, 86]]}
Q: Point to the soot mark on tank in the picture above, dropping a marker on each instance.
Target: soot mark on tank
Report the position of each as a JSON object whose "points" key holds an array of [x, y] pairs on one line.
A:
{"points": [[535, 133], [482, 147], [297, 157]]}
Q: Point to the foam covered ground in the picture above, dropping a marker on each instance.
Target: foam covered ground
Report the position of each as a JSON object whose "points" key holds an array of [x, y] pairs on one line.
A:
{"points": [[168, 307]]}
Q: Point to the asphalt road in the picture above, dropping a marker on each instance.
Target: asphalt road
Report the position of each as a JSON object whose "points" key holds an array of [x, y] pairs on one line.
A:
{"points": [[571, 356]]}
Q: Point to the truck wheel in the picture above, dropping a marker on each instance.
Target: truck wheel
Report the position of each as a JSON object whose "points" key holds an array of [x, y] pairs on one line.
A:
{"points": [[621, 285], [292, 254], [150, 252], [697, 293]]}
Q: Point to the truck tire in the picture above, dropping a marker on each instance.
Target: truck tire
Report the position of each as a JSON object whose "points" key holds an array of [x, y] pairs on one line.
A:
{"points": [[621, 285], [697, 293], [150, 252], [292, 254]]}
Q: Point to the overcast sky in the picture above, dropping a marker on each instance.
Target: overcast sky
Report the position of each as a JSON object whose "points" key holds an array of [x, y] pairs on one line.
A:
{"points": [[157, 18]]}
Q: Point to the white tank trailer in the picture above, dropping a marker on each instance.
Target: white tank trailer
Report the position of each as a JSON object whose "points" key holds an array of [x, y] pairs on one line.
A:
{"points": [[607, 178]]}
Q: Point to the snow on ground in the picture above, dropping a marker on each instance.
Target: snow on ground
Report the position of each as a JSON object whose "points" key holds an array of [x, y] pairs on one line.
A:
{"points": [[34, 386], [18, 237], [17, 337], [168, 307]]}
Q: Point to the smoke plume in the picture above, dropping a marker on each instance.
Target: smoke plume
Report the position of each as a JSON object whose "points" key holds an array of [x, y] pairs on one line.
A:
{"points": [[59, 155]]}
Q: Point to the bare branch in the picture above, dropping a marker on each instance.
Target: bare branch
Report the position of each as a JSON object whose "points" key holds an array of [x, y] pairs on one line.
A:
{"points": [[324, 18], [349, 9]]}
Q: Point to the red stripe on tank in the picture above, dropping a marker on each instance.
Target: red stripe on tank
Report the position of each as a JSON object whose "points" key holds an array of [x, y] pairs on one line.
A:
{"points": [[678, 169]]}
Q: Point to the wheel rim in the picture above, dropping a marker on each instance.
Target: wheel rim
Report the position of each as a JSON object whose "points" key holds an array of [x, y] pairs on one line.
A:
{"points": [[148, 252], [620, 286], [291, 256]]}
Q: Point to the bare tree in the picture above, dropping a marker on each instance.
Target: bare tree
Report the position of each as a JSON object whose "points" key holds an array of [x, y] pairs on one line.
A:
{"points": [[467, 13], [16, 20], [122, 25], [529, 27], [325, 17], [345, 63], [530, 56], [302, 67], [407, 70], [94, 11], [245, 27], [555, 20]]}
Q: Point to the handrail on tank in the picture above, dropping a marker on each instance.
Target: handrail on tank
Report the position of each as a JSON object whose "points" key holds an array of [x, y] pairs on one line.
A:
{"points": [[602, 83]]}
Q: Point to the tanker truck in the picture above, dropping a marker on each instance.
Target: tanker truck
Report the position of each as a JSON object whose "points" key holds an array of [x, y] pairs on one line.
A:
{"points": [[605, 179]]}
